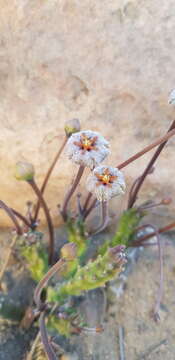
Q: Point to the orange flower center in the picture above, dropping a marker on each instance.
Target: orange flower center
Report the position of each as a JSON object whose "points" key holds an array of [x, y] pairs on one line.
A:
{"points": [[105, 179], [86, 144]]}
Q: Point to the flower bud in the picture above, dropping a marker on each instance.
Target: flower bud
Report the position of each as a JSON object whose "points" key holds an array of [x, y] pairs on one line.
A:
{"points": [[69, 251], [24, 171], [118, 255], [71, 127]]}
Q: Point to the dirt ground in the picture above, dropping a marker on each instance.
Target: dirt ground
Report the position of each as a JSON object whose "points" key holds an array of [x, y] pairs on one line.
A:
{"points": [[129, 331]]}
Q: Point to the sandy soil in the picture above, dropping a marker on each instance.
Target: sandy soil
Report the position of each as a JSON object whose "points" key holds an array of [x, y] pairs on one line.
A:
{"points": [[129, 330]]}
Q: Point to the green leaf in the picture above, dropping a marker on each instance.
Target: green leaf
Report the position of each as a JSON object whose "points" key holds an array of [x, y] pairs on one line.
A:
{"points": [[127, 224], [37, 260]]}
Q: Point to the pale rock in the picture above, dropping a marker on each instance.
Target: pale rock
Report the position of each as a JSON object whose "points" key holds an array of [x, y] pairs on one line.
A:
{"points": [[108, 63]]}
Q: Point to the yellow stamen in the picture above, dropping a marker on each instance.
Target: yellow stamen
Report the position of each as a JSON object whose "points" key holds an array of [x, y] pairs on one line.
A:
{"points": [[105, 178], [86, 143]]}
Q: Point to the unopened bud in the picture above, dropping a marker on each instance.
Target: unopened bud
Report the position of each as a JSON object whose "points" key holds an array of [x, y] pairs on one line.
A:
{"points": [[24, 171], [71, 127], [69, 251], [118, 255]]}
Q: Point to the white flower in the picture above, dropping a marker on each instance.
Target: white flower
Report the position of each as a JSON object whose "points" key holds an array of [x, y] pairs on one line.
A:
{"points": [[87, 148], [171, 99], [106, 182]]}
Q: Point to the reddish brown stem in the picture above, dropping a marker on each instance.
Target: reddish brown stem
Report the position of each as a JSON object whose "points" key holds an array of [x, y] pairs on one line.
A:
{"points": [[44, 338], [22, 218], [148, 236], [38, 205], [150, 166], [43, 282], [48, 218], [87, 202], [71, 192], [104, 217], [132, 190], [11, 216], [161, 140], [91, 207]]}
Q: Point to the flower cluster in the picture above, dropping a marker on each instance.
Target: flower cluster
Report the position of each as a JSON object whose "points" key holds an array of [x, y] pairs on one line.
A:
{"points": [[106, 182]]}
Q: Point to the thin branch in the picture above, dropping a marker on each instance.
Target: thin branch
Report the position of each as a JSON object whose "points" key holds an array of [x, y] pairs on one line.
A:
{"points": [[71, 192], [89, 196], [160, 290], [11, 216], [121, 343], [43, 282], [133, 186], [22, 218], [104, 217], [170, 133], [91, 207], [148, 236], [34, 186], [44, 337], [146, 354], [161, 140], [38, 205]]}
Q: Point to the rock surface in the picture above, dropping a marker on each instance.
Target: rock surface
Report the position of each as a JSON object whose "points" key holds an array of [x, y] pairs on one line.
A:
{"points": [[109, 63]]}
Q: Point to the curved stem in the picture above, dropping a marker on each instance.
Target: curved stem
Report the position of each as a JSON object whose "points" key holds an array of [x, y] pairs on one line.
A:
{"points": [[44, 338], [87, 202], [161, 140], [148, 236], [104, 217], [132, 190], [11, 216], [71, 192], [43, 282], [48, 218], [150, 206], [150, 165], [38, 205], [79, 207], [91, 207], [21, 217]]}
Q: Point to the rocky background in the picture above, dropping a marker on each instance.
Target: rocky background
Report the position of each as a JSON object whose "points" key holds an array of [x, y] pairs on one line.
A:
{"points": [[108, 63]]}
